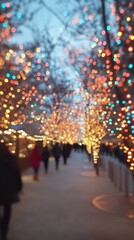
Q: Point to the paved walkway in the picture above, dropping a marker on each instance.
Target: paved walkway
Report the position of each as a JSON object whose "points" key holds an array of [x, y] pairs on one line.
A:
{"points": [[61, 205]]}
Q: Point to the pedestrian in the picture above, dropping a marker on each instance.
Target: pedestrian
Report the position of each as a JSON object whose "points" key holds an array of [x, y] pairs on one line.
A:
{"points": [[45, 157], [10, 187], [35, 159], [65, 153], [56, 152]]}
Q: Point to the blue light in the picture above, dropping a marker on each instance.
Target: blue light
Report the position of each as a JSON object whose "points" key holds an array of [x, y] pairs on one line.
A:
{"points": [[81, 21], [117, 101], [3, 5], [129, 80], [4, 25], [124, 102], [119, 42], [130, 65], [13, 77], [116, 82], [19, 15], [7, 75], [108, 28]]}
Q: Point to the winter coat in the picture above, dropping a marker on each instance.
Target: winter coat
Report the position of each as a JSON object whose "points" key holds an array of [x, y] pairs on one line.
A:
{"points": [[35, 158], [45, 154], [10, 177], [65, 150], [56, 150]]}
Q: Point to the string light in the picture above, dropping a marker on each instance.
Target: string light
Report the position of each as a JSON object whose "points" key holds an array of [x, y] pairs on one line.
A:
{"points": [[99, 111]]}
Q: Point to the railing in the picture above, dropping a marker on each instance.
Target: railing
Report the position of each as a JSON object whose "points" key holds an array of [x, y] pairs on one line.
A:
{"points": [[120, 175]]}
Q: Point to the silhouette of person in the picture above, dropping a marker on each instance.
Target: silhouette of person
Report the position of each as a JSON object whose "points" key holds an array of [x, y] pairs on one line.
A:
{"points": [[10, 187], [35, 159], [45, 157], [65, 153], [56, 152]]}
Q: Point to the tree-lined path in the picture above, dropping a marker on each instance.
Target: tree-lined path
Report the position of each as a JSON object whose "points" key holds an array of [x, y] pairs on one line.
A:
{"points": [[59, 206]]}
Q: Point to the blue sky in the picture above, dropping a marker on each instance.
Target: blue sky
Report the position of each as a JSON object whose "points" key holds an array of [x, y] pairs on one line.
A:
{"points": [[44, 18]]}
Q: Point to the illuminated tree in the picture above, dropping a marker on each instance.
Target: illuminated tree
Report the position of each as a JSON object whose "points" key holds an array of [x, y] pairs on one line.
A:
{"points": [[112, 43], [81, 79]]}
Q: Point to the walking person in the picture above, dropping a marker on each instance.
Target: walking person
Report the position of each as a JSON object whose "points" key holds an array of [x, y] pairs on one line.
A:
{"points": [[56, 152], [65, 153], [35, 159], [10, 187], [45, 157]]}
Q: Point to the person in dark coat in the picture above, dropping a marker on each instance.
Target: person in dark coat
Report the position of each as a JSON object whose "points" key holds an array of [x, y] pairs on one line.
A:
{"points": [[45, 157], [56, 152], [65, 153], [10, 187]]}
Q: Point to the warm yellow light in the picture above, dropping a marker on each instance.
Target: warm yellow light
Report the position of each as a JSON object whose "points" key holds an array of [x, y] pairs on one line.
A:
{"points": [[131, 37], [38, 49], [103, 55], [119, 33], [128, 19], [6, 80], [23, 55], [1, 92]]}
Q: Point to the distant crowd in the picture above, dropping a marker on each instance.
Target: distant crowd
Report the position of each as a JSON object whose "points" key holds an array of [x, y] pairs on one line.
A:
{"points": [[56, 150]]}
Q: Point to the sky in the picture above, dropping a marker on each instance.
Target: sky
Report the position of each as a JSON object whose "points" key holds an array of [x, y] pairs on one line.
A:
{"points": [[44, 18]]}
